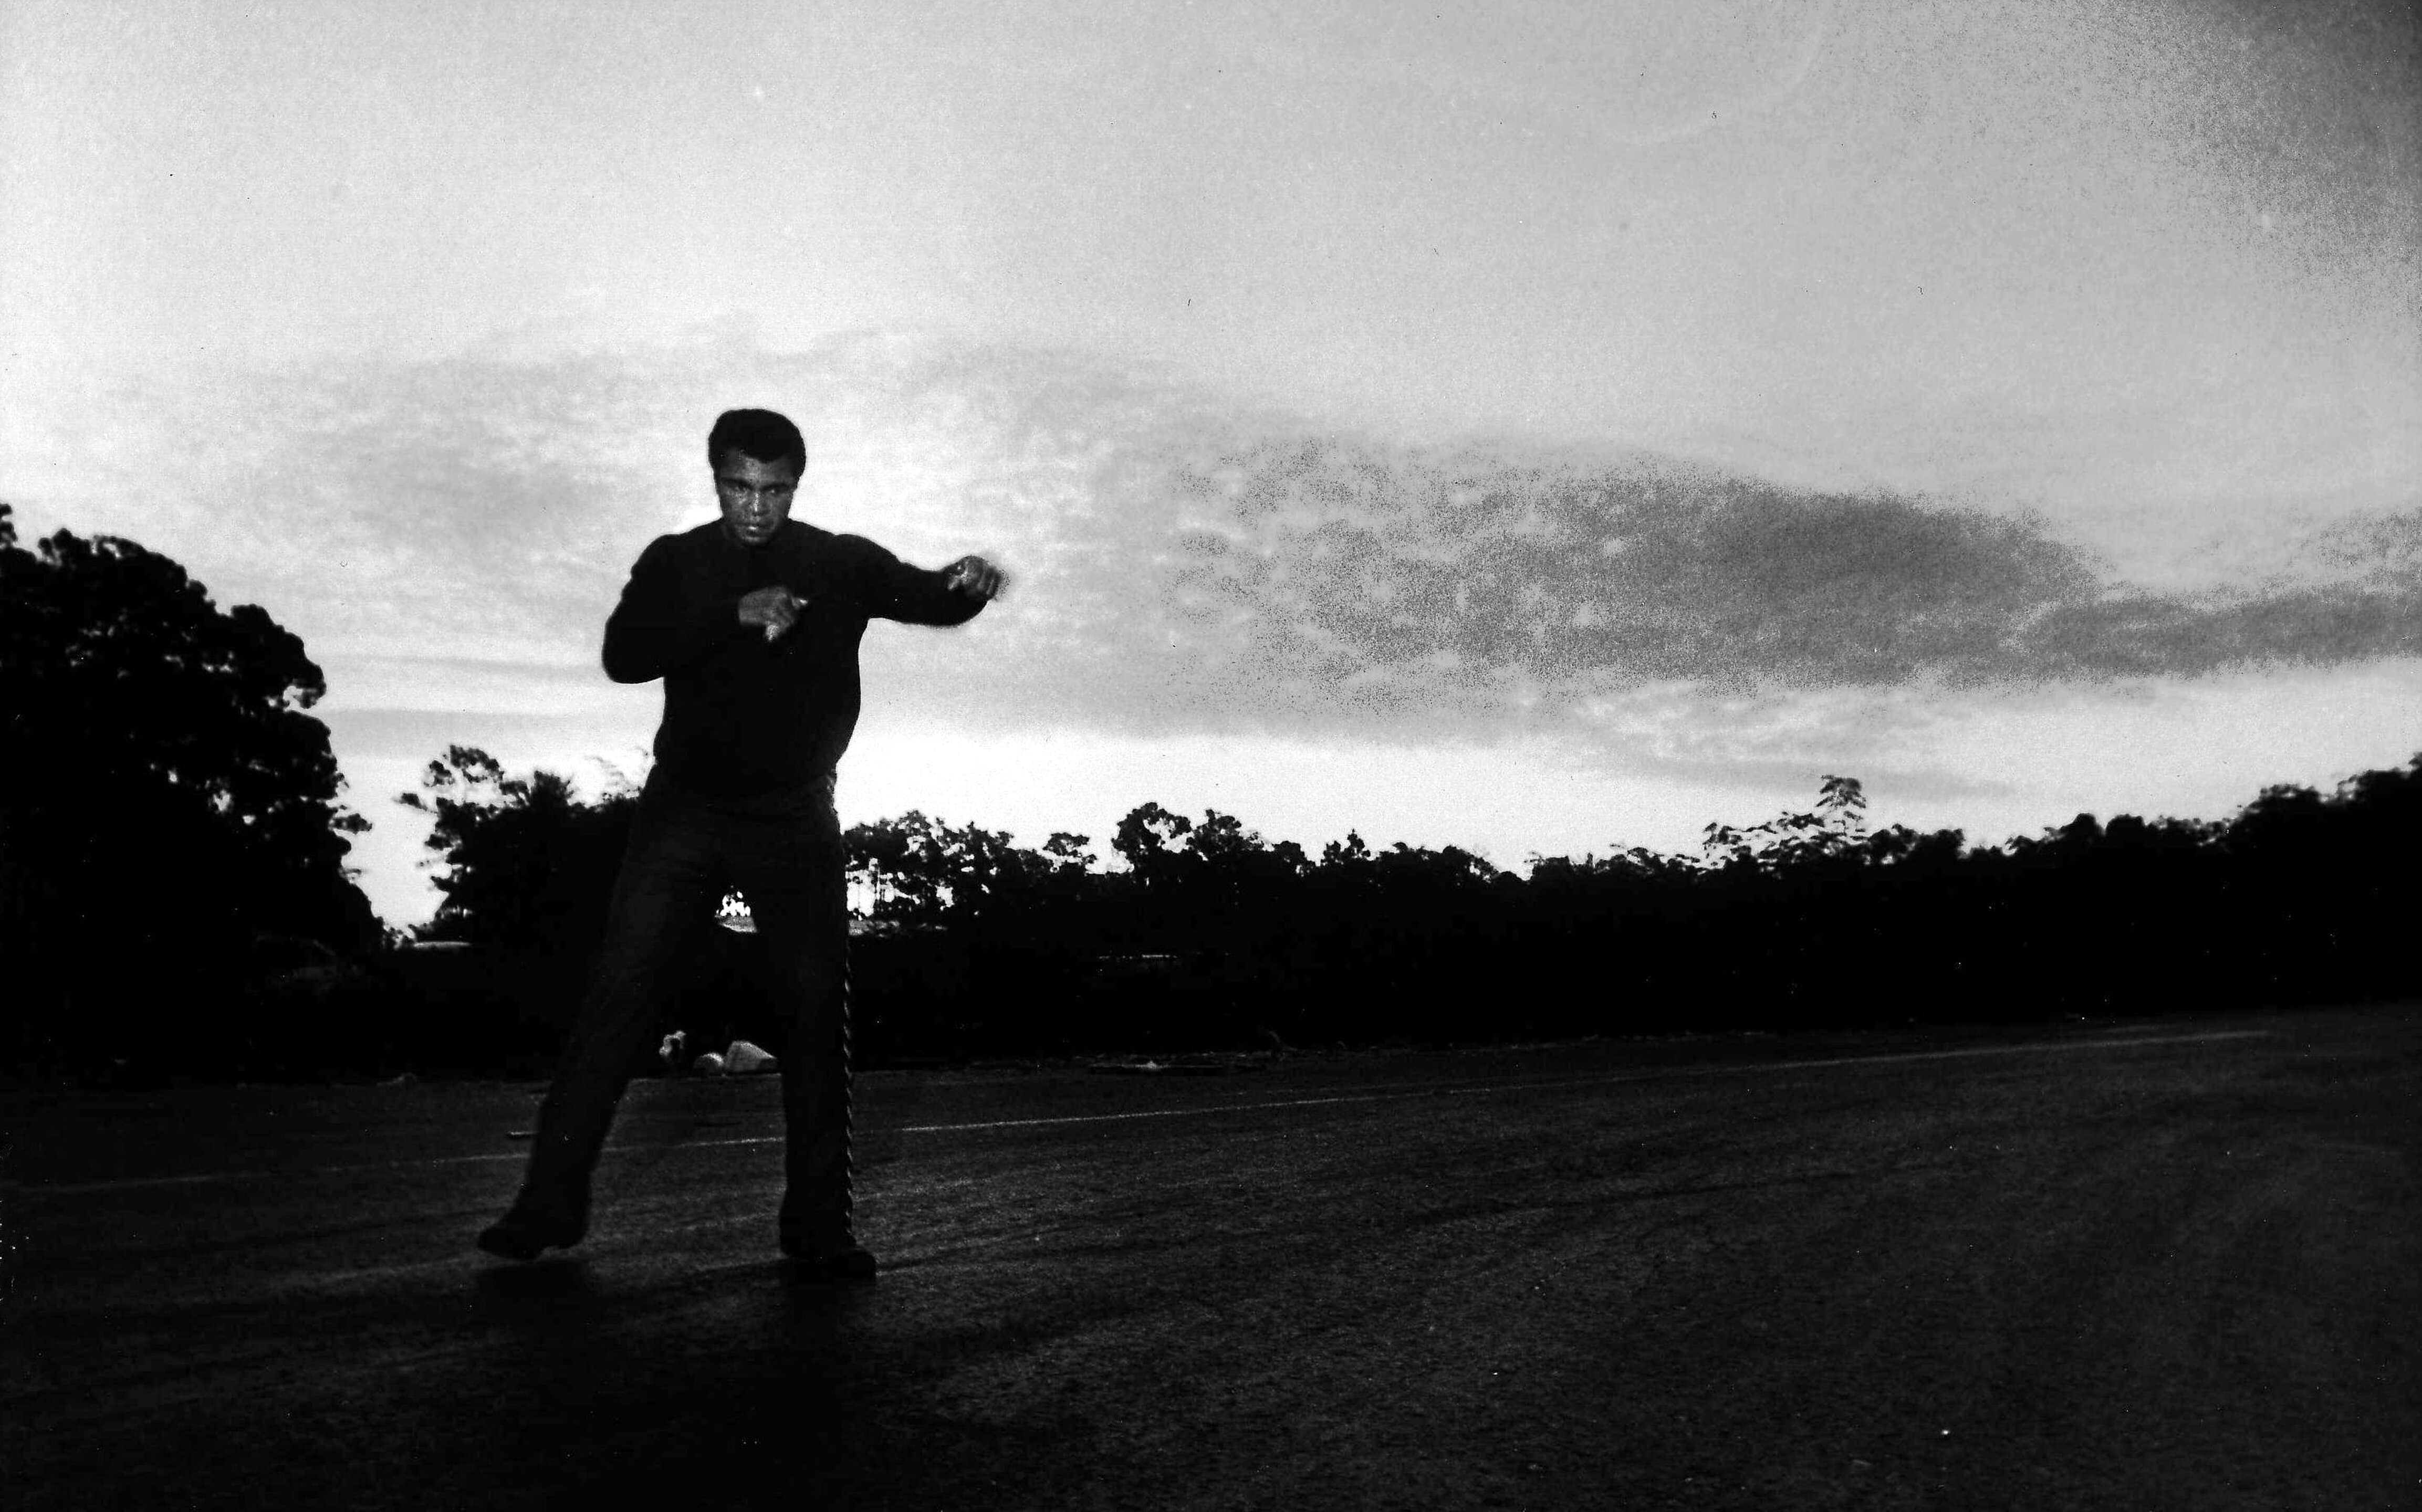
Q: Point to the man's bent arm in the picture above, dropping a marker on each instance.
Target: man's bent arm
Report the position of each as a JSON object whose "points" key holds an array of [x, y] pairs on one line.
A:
{"points": [[652, 632]]}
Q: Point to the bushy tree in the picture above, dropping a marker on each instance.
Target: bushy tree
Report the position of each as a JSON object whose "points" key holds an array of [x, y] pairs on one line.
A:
{"points": [[1791, 842], [526, 864], [927, 872], [165, 798], [1148, 840]]}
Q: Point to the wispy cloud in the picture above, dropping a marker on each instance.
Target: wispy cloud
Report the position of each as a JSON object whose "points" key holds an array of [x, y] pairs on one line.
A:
{"points": [[1234, 573], [1182, 561], [1473, 569]]}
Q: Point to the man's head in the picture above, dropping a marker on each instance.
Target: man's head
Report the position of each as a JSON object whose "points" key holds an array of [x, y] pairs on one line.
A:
{"points": [[758, 456]]}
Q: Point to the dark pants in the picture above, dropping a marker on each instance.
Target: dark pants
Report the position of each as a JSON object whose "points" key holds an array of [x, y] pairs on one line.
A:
{"points": [[785, 856]]}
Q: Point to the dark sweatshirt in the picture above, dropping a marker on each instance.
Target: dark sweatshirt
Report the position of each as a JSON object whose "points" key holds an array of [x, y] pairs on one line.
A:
{"points": [[744, 717]]}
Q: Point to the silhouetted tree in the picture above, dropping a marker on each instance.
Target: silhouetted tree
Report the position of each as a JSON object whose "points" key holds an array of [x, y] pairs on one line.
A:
{"points": [[1067, 852], [878, 856], [164, 797], [1147, 840], [526, 863], [927, 871], [1789, 842]]}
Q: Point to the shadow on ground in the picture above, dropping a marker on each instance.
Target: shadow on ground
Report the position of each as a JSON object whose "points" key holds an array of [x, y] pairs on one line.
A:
{"points": [[2178, 1275]]}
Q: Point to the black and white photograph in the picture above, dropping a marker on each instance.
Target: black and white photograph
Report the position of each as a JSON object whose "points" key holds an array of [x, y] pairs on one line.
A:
{"points": [[1211, 756]]}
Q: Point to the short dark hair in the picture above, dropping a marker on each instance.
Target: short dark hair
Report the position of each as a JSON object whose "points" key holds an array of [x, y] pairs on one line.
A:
{"points": [[760, 433]]}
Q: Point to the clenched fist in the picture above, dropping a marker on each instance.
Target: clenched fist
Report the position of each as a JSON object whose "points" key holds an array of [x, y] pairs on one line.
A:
{"points": [[976, 578], [775, 608]]}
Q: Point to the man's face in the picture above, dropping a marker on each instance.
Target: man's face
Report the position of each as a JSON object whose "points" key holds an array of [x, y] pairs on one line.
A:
{"points": [[755, 495]]}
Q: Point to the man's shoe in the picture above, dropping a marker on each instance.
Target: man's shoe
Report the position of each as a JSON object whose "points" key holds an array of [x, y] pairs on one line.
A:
{"points": [[516, 1238], [852, 1264]]}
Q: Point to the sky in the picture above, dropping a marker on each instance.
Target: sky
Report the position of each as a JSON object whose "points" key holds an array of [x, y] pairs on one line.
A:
{"points": [[1541, 429]]}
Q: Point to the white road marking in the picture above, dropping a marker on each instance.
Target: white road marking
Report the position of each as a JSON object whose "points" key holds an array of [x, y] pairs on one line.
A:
{"points": [[1660, 1074]]}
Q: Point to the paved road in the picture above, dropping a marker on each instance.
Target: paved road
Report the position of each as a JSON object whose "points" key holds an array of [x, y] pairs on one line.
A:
{"points": [[2173, 1264]]}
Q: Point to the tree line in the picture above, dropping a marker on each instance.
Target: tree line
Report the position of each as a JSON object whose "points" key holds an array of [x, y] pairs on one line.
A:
{"points": [[1198, 934]]}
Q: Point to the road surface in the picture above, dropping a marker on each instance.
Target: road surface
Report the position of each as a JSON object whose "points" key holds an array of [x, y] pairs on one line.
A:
{"points": [[2172, 1263]]}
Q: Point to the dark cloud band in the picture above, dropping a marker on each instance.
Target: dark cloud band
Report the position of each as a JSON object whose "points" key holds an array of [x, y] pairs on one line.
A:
{"points": [[1463, 570]]}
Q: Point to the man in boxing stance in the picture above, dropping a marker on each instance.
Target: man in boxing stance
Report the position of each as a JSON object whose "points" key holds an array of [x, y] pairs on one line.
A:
{"points": [[753, 623]]}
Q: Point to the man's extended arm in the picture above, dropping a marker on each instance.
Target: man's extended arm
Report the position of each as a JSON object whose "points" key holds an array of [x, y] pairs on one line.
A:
{"points": [[652, 632], [953, 595]]}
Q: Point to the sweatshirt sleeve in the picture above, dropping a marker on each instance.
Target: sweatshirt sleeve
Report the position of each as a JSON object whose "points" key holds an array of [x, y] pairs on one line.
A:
{"points": [[652, 631], [895, 590]]}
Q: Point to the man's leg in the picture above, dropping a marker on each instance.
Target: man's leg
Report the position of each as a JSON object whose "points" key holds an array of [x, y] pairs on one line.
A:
{"points": [[802, 912], [661, 906]]}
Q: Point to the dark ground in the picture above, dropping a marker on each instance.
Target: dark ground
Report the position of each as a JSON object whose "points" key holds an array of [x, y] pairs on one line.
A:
{"points": [[2106, 1267]]}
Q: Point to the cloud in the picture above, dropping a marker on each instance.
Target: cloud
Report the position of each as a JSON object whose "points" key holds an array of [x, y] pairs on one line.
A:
{"points": [[1183, 562], [1477, 569], [1339, 581]]}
